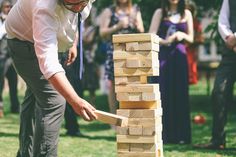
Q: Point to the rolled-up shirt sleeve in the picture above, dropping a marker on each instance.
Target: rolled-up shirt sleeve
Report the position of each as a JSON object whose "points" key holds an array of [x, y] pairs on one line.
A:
{"points": [[223, 22], [45, 26]]}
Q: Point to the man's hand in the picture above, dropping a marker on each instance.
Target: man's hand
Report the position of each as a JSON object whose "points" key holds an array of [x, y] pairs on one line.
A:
{"points": [[80, 106], [85, 110], [231, 41], [234, 49], [71, 55]]}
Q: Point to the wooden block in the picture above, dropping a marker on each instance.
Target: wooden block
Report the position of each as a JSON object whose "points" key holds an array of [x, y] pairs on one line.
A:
{"points": [[133, 63], [119, 63], [136, 147], [149, 131], [111, 118], [151, 113], [135, 130], [135, 139], [140, 113], [143, 80], [123, 112], [119, 46], [153, 130], [129, 96], [137, 63], [140, 104], [137, 154], [142, 46], [141, 55], [132, 46], [140, 37], [147, 46], [141, 63], [123, 55], [130, 80], [137, 96], [142, 121], [159, 136], [150, 147], [136, 114], [122, 130], [124, 147], [151, 96], [160, 149], [145, 122], [135, 88], [136, 71]]}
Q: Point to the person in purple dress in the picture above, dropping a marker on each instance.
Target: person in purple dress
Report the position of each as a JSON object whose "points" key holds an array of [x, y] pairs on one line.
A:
{"points": [[174, 25]]}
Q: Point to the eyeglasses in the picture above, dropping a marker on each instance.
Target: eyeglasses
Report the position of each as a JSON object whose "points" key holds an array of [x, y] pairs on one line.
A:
{"points": [[7, 6]]}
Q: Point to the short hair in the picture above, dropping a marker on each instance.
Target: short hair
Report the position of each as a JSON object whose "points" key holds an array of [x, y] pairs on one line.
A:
{"points": [[5, 2]]}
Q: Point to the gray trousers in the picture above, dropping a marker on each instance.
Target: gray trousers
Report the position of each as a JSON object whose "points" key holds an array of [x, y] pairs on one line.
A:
{"points": [[43, 107], [222, 98]]}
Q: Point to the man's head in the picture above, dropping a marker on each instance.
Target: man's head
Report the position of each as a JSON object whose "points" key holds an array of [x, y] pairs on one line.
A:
{"points": [[75, 5], [79, 6], [6, 6]]}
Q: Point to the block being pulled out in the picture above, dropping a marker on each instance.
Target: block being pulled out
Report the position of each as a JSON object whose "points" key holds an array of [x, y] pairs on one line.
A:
{"points": [[112, 119]]}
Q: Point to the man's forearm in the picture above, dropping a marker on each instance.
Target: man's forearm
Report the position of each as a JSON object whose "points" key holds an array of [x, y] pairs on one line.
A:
{"points": [[62, 85]]}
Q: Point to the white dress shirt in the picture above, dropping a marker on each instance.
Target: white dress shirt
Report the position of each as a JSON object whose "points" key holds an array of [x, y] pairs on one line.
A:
{"points": [[223, 22], [50, 26], [2, 27]]}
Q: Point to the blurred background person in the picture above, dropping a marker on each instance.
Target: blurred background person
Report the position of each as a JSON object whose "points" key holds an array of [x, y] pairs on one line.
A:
{"points": [[222, 94], [6, 67], [192, 48], [90, 79], [72, 74], [174, 24], [121, 18]]}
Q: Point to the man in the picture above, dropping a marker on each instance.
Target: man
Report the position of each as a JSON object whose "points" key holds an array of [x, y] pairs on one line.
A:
{"points": [[225, 77], [37, 31], [6, 68]]}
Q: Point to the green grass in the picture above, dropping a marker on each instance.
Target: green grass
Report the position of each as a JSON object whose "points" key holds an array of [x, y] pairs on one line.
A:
{"points": [[100, 139]]}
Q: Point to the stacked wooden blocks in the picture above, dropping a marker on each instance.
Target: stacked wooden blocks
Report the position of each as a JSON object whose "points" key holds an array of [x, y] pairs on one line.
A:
{"points": [[135, 58]]}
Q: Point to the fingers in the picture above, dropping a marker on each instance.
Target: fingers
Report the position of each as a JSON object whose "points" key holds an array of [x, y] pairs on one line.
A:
{"points": [[71, 56], [85, 116], [90, 110], [68, 61], [88, 114], [91, 114], [234, 48], [87, 111]]}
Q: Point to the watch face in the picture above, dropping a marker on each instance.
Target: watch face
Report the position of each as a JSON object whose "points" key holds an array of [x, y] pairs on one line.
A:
{"points": [[75, 5]]}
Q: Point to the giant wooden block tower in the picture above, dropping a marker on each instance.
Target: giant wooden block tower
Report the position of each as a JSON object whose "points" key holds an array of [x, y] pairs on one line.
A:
{"points": [[135, 58]]}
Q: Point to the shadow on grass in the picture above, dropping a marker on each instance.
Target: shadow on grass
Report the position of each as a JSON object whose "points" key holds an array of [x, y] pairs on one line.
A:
{"points": [[96, 137], [92, 127], [189, 148], [4, 134], [95, 126]]}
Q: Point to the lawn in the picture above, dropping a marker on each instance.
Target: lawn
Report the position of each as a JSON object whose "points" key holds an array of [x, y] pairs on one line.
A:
{"points": [[100, 140]]}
